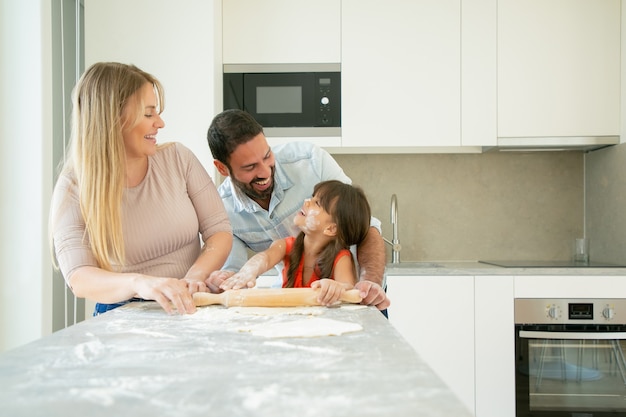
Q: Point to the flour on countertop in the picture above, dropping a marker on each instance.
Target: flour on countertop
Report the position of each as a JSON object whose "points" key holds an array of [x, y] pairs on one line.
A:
{"points": [[311, 349], [351, 307], [308, 327]]}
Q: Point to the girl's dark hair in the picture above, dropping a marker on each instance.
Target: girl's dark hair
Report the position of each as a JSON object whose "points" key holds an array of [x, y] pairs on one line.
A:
{"points": [[349, 209]]}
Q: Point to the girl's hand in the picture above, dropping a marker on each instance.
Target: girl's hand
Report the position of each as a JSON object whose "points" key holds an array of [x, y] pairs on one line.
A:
{"points": [[330, 291], [246, 277], [216, 279], [239, 280]]}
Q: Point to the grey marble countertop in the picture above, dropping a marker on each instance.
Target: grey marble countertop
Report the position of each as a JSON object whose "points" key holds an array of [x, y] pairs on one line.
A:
{"points": [[474, 268], [139, 361]]}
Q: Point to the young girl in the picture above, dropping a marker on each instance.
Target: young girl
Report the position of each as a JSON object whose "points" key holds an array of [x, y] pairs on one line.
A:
{"points": [[336, 217]]}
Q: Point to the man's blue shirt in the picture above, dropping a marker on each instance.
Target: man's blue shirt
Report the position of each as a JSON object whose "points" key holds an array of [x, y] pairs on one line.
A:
{"points": [[298, 167]]}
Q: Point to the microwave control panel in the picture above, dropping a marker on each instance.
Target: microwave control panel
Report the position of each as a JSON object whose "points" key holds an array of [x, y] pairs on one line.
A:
{"points": [[328, 90]]}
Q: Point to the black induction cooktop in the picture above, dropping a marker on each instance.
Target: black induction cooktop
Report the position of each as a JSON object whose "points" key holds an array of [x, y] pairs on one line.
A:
{"points": [[551, 264]]}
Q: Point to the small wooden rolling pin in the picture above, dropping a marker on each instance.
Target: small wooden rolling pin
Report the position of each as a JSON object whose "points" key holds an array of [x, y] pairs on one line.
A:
{"points": [[268, 297]]}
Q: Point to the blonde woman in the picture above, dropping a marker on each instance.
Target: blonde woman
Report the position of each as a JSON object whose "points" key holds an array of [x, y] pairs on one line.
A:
{"points": [[127, 214]]}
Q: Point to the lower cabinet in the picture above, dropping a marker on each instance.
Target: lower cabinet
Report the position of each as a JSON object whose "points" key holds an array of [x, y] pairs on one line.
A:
{"points": [[494, 332], [435, 314], [463, 327]]}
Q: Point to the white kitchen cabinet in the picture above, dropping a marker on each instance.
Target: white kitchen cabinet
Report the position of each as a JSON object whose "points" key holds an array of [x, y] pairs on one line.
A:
{"points": [[281, 31], [401, 73], [495, 349], [558, 68], [463, 326], [435, 314]]}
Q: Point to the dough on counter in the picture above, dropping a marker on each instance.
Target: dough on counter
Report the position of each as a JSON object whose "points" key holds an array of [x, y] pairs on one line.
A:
{"points": [[307, 327]]}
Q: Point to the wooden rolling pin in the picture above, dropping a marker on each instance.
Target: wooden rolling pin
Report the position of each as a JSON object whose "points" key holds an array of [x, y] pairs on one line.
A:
{"points": [[268, 297]]}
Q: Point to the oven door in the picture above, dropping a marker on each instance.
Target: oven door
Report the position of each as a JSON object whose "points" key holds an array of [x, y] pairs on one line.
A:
{"points": [[570, 370]]}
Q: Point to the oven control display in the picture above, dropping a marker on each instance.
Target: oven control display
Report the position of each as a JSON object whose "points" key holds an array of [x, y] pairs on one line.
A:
{"points": [[580, 311]]}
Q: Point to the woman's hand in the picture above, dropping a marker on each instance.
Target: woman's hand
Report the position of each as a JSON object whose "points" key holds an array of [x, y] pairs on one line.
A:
{"points": [[112, 287], [170, 293], [194, 285], [330, 291]]}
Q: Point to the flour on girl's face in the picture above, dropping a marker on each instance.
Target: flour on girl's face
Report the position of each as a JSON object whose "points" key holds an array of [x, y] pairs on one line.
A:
{"points": [[310, 217], [310, 221]]}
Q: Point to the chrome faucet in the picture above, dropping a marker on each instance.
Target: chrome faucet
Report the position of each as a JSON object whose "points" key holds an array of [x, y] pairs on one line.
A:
{"points": [[394, 242]]}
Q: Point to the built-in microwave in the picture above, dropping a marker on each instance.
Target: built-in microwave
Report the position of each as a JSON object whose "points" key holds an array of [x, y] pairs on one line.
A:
{"points": [[287, 99]]}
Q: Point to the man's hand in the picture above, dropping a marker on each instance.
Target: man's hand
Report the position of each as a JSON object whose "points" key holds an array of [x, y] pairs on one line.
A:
{"points": [[373, 294]]}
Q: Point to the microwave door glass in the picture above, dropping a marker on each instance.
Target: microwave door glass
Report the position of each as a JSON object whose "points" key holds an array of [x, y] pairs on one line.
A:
{"points": [[279, 99]]}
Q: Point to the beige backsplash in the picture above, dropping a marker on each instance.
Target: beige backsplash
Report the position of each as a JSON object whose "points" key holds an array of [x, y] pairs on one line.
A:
{"points": [[606, 204], [477, 206]]}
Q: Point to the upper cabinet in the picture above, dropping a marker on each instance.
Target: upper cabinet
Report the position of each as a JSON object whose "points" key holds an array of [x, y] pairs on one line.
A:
{"points": [[281, 31], [400, 73], [558, 68], [446, 75]]}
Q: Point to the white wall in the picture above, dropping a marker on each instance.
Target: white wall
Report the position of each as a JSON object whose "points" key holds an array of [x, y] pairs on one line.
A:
{"points": [[174, 41], [25, 171]]}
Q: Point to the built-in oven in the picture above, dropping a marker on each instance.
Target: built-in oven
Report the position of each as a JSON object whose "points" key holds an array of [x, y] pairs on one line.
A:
{"points": [[569, 357], [287, 99]]}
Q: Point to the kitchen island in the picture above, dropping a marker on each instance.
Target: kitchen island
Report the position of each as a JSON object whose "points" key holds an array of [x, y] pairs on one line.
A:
{"points": [[139, 361]]}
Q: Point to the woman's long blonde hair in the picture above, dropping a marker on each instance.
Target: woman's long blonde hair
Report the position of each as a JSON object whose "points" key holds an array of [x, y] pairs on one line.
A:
{"points": [[97, 157]]}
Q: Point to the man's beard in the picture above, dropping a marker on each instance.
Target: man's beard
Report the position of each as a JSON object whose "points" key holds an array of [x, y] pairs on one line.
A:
{"points": [[249, 190]]}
